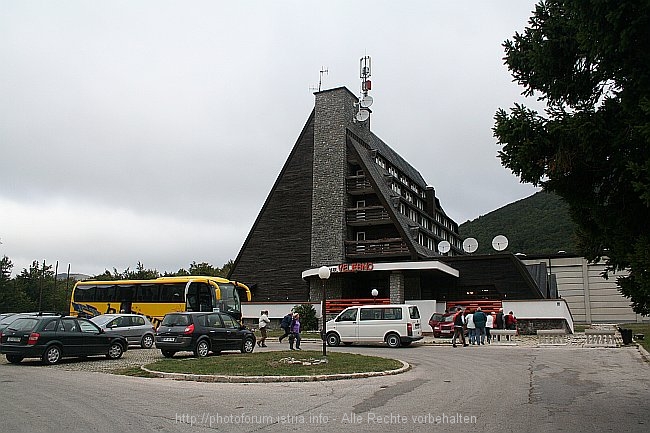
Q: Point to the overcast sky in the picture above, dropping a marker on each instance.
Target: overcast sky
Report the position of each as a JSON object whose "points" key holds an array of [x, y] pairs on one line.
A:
{"points": [[153, 131]]}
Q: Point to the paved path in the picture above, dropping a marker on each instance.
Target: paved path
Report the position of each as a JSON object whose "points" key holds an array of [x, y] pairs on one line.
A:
{"points": [[491, 389]]}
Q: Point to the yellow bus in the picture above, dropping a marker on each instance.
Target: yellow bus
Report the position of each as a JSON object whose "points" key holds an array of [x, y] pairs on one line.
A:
{"points": [[155, 298]]}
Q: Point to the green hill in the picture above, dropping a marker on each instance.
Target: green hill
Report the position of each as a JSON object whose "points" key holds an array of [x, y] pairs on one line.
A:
{"points": [[539, 224]]}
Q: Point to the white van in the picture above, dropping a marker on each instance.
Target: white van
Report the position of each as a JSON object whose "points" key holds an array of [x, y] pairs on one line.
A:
{"points": [[396, 325]]}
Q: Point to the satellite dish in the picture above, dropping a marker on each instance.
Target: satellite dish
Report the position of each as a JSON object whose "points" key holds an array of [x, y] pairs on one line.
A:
{"points": [[444, 246], [470, 245], [366, 101], [500, 243], [363, 115]]}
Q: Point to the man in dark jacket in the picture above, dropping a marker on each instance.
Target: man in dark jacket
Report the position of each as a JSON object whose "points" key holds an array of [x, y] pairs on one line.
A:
{"points": [[480, 319], [286, 325]]}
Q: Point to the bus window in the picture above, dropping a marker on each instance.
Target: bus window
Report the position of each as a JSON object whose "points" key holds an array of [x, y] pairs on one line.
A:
{"points": [[84, 294], [172, 293], [148, 293], [105, 294]]}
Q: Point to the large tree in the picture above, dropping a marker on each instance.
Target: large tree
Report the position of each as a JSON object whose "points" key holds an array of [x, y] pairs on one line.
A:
{"points": [[589, 62]]}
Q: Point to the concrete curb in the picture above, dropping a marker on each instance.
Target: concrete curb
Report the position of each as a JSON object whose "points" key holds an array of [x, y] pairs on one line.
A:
{"points": [[644, 353], [266, 379]]}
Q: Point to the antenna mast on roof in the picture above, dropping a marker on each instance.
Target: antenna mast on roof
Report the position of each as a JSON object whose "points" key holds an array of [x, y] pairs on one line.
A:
{"points": [[365, 100], [322, 71]]}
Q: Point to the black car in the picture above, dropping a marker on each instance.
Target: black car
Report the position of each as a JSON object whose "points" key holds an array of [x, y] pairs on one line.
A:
{"points": [[202, 333], [53, 337]]}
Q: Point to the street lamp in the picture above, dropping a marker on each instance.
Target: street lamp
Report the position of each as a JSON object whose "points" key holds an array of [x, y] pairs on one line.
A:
{"points": [[324, 274], [374, 294]]}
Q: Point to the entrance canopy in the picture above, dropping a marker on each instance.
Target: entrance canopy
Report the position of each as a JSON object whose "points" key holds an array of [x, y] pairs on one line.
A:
{"points": [[343, 268]]}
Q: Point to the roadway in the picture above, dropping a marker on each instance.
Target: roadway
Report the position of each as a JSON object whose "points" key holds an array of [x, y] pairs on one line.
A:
{"points": [[491, 389]]}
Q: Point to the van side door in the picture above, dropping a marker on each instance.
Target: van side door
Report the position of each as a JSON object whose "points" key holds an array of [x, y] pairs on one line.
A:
{"points": [[347, 325]]}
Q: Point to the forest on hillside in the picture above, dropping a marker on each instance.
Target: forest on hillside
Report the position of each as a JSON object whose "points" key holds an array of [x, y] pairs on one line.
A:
{"points": [[539, 224]]}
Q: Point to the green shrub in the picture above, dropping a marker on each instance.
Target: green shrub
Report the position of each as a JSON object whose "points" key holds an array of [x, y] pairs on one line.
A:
{"points": [[308, 319]]}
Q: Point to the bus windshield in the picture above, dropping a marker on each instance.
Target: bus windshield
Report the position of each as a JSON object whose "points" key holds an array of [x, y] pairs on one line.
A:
{"points": [[230, 302]]}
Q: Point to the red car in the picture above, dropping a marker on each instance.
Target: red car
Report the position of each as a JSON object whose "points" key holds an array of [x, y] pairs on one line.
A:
{"points": [[442, 324]]}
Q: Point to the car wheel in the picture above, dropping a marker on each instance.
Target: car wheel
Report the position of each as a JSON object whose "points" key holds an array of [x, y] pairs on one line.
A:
{"points": [[14, 359], [168, 353], [332, 339], [52, 355], [147, 341], [248, 346], [202, 348], [115, 351], [393, 340]]}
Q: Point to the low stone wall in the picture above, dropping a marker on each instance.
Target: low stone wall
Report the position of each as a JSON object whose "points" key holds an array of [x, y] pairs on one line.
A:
{"points": [[531, 326]]}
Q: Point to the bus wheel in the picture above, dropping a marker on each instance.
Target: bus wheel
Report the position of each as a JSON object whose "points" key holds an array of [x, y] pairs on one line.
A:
{"points": [[202, 348], [168, 353]]}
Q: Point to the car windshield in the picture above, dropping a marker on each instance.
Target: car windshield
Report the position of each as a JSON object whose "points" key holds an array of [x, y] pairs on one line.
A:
{"points": [[448, 318], [102, 320], [176, 320], [25, 324]]}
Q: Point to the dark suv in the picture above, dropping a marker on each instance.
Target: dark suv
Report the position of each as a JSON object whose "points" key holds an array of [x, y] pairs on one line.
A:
{"points": [[202, 333], [53, 337]]}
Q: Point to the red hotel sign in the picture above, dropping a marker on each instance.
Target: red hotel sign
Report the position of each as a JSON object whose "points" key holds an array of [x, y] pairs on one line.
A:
{"points": [[354, 267]]}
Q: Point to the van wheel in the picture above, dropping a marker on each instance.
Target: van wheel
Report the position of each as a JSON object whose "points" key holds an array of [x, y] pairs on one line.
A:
{"points": [[202, 348], [393, 340], [332, 339]]}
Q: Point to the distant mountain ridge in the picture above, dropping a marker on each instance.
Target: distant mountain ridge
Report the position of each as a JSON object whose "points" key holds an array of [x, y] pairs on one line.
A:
{"points": [[539, 224]]}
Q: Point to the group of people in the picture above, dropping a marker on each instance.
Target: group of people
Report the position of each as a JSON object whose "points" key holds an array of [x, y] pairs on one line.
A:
{"points": [[479, 324], [290, 324]]}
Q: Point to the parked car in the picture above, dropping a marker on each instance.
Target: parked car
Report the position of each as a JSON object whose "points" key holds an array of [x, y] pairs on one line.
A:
{"points": [[396, 325], [137, 329], [53, 337], [202, 333], [7, 318], [442, 324]]}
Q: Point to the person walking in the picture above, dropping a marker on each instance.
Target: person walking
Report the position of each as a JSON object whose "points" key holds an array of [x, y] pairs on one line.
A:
{"points": [[263, 323], [480, 320], [488, 327], [285, 324], [500, 322], [471, 328], [459, 331], [511, 323], [295, 332]]}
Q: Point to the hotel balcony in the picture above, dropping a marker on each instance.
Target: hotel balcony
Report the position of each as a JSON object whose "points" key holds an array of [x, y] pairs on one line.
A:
{"points": [[358, 185], [366, 216], [390, 247]]}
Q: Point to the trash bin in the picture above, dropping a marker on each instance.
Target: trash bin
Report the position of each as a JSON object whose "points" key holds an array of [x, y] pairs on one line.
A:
{"points": [[626, 335]]}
